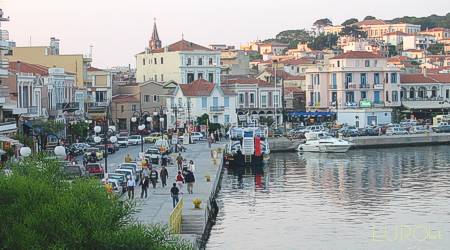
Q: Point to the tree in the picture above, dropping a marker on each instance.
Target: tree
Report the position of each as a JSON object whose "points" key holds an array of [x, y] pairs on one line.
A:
{"points": [[79, 130], [353, 31], [323, 41], [322, 23], [370, 18], [436, 49], [42, 210], [350, 21], [50, 126], [392, 50]]}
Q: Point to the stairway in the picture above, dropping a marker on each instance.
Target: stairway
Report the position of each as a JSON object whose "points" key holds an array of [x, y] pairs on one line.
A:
{"points": [[192, 224]]}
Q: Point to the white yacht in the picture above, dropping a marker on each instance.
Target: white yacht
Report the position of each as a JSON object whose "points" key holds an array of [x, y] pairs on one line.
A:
{"points": [[323, 143]]}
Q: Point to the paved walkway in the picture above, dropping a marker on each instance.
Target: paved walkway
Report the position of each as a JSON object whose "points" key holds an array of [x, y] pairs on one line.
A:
{"points": [[157, 207]]}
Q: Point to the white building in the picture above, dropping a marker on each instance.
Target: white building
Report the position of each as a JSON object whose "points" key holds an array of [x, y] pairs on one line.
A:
{"points": [[419, 42], [190, 101], [182, 62]]}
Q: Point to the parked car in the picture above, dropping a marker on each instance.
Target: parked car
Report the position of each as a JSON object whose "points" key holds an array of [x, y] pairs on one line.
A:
{"points": [[98, 153], [133, 167], [196, 136], [95, 169], [314, 128], [153, 137], [418, 130], [153, 155], [121, 178], [408, 123], [350, 131], [368, 131], [122, 141], [396, 131], [442, 129], [74, 171], [78, 148], [163, 146], [134, 140], [127, 172]]}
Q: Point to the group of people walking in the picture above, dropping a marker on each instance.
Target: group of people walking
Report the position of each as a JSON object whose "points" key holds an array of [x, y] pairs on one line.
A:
{"points": [[186, 176]]}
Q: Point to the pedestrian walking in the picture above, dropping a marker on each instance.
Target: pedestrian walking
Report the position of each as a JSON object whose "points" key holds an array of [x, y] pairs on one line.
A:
{"points": [[174, 191], [191, 166], [180, 161], [180, 181], [128, 158], [145, 173], [144, 186], [154, 177], [209, 142], [130, 187], [163, 174], [190, 180]]}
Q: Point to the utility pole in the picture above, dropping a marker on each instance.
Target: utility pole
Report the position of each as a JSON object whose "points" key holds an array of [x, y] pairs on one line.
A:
{"points": [[283, 107]]}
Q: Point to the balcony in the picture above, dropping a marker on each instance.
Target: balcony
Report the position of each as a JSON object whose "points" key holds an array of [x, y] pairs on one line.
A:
{"points": [[217, 109], [378, 86], [378, 103], [364, 86], [68, 106], [333, 86], [97, 107], [350, 86], [8, 127]]}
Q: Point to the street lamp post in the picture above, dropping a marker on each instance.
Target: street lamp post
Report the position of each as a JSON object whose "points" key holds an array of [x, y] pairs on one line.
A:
{"points": [[139, 116], [161, 127], [113, 139]]}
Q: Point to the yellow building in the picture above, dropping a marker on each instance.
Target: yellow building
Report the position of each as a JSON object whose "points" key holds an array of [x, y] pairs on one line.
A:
{"points": [[439, 33], [49, 56]]}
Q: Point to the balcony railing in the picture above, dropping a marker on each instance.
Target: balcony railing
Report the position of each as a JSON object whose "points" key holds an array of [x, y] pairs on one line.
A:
{"points": [[32, 110], [364, 86], [333, 86], [378, 86], [8, 126], [423, 99], [97, 107], [217, 108], [350, 86], [68, 106]]}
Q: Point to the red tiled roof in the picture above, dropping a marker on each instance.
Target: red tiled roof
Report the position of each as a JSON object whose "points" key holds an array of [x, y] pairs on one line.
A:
{"points": [[413, 50], [298, 61], [28, 68], [182, 45], [398, 59], [436, 70], [284, 75], [93, 69], [397, 33], [199, 87], [292, 90], [370, 22], [420, 78], [244, 80], [357, 55], [435, 29], [123, 98]]}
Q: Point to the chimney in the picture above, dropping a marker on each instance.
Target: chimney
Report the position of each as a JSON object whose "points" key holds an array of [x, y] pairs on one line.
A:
{"points": [[424, 71]]}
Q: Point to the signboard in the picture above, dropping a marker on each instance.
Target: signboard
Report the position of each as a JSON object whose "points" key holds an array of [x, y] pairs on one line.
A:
{"points": [[365, 104], [242, 118]]}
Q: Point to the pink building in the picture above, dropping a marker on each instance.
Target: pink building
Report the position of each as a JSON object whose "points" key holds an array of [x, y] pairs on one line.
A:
{"points": [[350, 78]]}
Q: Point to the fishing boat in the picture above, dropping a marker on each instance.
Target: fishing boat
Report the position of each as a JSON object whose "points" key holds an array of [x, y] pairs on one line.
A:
{"points": [[323, 142], [248, 146]]}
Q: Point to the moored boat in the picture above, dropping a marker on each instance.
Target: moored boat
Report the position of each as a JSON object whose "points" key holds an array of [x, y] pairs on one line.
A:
{"points": [[323, 143]]}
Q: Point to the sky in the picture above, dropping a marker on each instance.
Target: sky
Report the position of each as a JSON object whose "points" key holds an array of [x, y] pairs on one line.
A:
{"points": [[118, 30]]}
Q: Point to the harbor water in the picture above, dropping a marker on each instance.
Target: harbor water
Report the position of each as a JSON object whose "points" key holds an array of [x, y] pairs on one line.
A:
{"points": [[363, 199]]}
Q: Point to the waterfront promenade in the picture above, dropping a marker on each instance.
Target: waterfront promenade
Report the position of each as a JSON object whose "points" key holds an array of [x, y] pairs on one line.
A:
{"points": [[156, 209]]}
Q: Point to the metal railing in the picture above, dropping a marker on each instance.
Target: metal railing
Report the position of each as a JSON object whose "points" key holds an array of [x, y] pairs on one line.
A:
{"points": [[333, 86], [378, 86], [364, 86], [350, 86], [423, 99], [176, 217], [217, 108]]}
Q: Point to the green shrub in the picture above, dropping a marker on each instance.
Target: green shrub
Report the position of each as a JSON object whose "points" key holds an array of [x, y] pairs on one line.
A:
{"points": [[41, 210]]}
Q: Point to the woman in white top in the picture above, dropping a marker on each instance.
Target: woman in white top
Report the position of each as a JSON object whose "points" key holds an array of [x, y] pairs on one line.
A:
{"points": [[191, 166], [130, 187]]}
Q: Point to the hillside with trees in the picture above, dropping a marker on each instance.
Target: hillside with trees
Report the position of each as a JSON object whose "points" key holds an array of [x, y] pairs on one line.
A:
{"points": [[425, 22]]}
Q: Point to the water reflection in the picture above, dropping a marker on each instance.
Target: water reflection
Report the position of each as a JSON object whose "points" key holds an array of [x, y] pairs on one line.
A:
{"points": [[358, 200]]}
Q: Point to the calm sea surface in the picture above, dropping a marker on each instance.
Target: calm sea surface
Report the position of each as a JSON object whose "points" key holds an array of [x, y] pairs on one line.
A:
{"points": [[364, 199]]}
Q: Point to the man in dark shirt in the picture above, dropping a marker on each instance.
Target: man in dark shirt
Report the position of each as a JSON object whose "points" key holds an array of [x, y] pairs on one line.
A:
{"points": [[174, 191]]}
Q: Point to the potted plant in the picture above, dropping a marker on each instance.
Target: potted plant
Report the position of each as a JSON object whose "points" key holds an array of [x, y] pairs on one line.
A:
{"points": [[208, 178], [197, 202]]}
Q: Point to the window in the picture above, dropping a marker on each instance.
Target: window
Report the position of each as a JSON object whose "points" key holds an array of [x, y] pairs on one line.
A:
{"points": [[395, 96], [200, 61], [133, 107], [350, 97], [334, 80], [387, 96], [143, 61], [180, 102], [100, 96], [386, 78], [227, 118], [339, 64], [348, 79], [215, 119], [156, 98], [189, 62], [146, 98], [122, 108], [252, 98], [210, 61], [200, 76], [162, 60], [376, 78], [211, 77], [393, 77], [363, 79], [333, 97], [367, 63], [447, 93], [190, 77], [264, 101], [276, 100], [363, 95], [215, 101], [204, 102], [241, 98], [155, 60], [226, 102]]}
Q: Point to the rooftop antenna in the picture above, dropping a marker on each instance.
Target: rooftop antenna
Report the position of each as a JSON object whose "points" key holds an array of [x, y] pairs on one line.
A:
{"points": [[90, 50], [182, 36]]}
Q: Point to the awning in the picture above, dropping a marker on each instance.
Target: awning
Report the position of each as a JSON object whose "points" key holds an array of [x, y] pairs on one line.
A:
{"points": [[310, 114], [9, 140], [425, 105]]}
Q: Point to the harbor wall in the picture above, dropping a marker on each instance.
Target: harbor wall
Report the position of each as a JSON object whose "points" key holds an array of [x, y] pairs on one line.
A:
{"points": [[399, 140]]}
